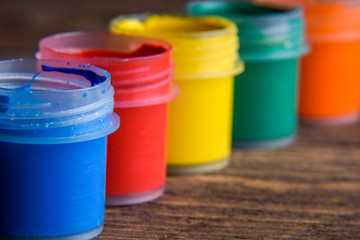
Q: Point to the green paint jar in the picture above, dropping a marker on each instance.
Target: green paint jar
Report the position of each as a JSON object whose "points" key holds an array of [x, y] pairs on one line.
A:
{"points": [[265, 97]]}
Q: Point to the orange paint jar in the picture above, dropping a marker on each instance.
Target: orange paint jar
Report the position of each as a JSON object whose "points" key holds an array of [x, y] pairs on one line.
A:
{"points": [[330, 74]]}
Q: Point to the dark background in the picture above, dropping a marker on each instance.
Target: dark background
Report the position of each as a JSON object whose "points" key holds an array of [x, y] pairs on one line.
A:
{"points": [[24, 22], [310, 190]]}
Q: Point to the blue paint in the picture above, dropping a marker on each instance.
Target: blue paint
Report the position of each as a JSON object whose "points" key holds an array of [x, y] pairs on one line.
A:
{"points": [[4, 101], [27, 87], [53, 151], [92, 76], [52, 189], [89, 75], [97, 128]]}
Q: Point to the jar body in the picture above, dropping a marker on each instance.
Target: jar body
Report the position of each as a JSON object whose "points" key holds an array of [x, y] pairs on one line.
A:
{"points": [[200, 125], [136, 168], [265, 104], [330, 83], [52, 190]]}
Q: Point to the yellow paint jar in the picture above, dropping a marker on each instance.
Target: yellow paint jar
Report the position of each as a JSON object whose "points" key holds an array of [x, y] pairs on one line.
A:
{"points": [[205, 51]]}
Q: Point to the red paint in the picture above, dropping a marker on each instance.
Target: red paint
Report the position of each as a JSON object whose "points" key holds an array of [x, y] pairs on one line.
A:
{"points": [[142, 51], [143, 87], [136, 152]]}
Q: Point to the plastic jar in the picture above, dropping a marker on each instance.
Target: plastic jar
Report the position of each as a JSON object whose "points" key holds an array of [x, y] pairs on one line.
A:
{"points": [[206, 61], [54, 120], [265, 100], [141, 72], [330, 74]]}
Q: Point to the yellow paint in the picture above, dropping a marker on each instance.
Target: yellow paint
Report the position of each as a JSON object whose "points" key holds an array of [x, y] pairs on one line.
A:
{"points": [[200, 122], [205, 54]]}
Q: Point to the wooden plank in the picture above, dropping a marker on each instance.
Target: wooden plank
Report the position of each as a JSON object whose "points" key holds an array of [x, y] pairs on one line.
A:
{"points": [[307, 191]]}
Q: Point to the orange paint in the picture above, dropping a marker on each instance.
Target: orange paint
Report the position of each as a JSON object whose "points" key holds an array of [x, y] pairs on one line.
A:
{"points": [[330, 83], [330, 74]]}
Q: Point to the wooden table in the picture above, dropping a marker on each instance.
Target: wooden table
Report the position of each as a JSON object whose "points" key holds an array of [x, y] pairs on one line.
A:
{"points": [[308, 191]]}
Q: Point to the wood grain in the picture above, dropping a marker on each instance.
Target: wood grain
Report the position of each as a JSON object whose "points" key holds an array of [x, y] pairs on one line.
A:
{"points": [[307, 191], [310, 190]]}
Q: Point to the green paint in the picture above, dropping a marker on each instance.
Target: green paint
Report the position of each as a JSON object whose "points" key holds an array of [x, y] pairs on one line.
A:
{"points": [[265, 101], [271, 42]]}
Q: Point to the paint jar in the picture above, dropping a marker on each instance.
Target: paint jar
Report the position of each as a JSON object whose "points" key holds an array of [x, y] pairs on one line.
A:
{"points": [[141, 72], [54, 120], [265, 95], [330, 82], [206, 60]]}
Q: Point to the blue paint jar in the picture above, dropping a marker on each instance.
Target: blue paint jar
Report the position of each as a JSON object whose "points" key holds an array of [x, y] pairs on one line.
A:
{"points": [[54, 120]]}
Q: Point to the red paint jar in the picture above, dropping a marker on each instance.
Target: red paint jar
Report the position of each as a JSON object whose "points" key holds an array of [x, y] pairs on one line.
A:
{"points": [[141, 72]]}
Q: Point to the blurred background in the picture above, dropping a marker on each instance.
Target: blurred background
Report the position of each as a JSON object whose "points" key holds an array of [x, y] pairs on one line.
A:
{"points": [[24, 22]]}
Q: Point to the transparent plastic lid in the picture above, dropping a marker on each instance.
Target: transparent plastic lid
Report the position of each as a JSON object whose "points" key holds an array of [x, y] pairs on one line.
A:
{"points": [[141, 68], [265, 31], [45, 101], [202, 46]]}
